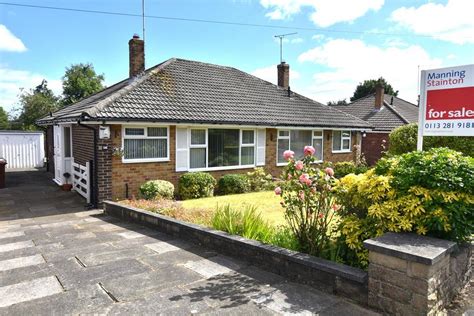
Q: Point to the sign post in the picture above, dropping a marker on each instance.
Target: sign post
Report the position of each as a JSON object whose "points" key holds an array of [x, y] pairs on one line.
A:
{"points": [[446, 103]]}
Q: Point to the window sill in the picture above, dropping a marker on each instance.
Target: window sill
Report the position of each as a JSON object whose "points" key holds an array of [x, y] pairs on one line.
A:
{"points": [[341, 151], [145, 160], [220, 168]]}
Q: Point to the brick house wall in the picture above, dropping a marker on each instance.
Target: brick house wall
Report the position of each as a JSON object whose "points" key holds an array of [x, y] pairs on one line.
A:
{"points": [[372, 146], [129, 176], [49, 149], [82, 144]]}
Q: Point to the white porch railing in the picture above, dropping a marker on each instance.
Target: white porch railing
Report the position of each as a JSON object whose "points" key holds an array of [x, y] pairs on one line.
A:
{"points": [[81, 179]]}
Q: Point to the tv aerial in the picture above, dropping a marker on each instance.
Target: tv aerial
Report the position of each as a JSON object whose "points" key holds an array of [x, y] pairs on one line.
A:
{"points": [[281, 37]]}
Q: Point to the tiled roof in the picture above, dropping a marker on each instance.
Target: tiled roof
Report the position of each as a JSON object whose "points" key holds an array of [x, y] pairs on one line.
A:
{"points": [[183, 91], [394, 113]]}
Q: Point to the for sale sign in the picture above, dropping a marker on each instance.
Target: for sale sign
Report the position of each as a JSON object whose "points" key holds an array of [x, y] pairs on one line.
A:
{"points": [[447, 101]]}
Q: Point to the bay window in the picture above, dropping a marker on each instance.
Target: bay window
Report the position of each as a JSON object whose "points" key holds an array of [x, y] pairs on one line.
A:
{"points": [[341, 141], [145, 144], [296, 140], [216, 147]]}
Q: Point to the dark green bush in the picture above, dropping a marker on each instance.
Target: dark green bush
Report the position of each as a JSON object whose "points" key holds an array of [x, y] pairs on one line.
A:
{"points": [[195, 185], [233, 184], [259, 180], [403, 140], [341, 169], [438, 168], [156, 189]]}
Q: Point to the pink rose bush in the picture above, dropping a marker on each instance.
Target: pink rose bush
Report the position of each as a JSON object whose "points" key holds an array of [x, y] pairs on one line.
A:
{"points": [[309, 150], [309, 202], [288, 154]]}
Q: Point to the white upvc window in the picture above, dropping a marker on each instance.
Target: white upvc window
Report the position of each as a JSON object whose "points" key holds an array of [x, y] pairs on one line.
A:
{"points": [[295, 140], [221, 148], [145, 143], [341, 141]]}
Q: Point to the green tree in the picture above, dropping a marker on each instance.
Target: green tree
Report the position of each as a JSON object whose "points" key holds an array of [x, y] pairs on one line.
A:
{"points": [[338, 102], [368, 87], [79, 82], [4, 123], [36, 104], [403, 139]]}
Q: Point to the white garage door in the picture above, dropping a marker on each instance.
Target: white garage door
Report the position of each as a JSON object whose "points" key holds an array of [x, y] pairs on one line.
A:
{"points": [[22, 149]]}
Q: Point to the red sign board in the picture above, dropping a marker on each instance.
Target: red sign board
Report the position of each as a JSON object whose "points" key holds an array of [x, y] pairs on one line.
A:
{"points": [[447, 102]]}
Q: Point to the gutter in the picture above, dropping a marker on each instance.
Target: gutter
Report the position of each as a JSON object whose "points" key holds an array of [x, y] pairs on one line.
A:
{"points": [[95, 186]]}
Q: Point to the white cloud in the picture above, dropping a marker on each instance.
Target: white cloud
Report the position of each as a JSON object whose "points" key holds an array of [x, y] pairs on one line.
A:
{"points": [[270, 74], [348, 62], [12, 80], [318, 37], [9, 42], [297, 40], [324, 13], [451, 22]]}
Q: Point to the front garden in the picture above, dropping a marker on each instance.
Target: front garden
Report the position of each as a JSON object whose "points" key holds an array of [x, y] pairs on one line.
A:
{"points": [[310, 210]]}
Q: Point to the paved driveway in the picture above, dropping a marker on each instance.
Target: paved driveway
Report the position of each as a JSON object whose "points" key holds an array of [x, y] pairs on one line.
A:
{"points": [[58, 258]]}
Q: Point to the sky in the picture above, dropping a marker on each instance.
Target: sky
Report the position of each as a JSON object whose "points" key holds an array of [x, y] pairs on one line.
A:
{"points": [[338, 44]]}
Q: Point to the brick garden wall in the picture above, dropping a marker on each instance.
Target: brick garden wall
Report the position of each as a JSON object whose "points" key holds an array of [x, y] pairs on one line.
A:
{"points": [[372, 146]]}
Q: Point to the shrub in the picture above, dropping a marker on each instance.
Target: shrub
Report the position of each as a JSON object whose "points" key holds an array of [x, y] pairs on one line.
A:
{"points": [[309, 202], [248, 224], [233, 184], [195, 185], [403, 140], [172, 209], [157, 189], [259, 180], [428, 193], [283, 237], [344, 168]]}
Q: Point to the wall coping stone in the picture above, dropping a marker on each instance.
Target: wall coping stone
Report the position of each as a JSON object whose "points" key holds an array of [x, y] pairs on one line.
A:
{"points": [[411, 247], [337, 269]]}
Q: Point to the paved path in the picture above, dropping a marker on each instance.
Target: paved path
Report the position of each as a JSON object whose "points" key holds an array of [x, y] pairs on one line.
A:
{"points": [[58, 258]]}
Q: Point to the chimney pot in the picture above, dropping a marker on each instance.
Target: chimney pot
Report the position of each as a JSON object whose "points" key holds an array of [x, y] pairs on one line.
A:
{"points": [[379, 96], [283, 75], [136, 56]]}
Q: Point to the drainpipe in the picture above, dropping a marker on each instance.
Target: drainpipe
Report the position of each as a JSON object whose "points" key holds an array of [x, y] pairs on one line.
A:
{"points": [[95, 187]]}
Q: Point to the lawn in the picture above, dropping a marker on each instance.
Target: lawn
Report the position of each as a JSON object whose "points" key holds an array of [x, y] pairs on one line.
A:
{"points": [[266, 202]]}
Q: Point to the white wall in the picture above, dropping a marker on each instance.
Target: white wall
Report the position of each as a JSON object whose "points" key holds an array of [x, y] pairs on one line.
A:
{"points": [[22, 149]]}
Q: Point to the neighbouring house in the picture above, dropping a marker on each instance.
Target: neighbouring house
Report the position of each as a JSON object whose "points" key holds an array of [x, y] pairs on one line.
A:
{"points": [[384, 113], [182, 116]]}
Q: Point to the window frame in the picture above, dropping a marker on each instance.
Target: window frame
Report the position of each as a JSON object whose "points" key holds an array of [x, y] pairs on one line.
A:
{"points": [[145, 136], [206, 146], [313, 137], [341, 149]]}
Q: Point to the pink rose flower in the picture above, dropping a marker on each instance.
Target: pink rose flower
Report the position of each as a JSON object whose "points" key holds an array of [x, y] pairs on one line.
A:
{"points": [[288, 154], [299, 165], [304, 178], [277, 190], [289, 177], [309, 150], [329, 171], [301, 195]]}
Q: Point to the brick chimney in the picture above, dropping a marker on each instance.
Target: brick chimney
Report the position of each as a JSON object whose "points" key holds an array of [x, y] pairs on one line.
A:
{"points": [[283, 75], [379, 96], [137, 55]]}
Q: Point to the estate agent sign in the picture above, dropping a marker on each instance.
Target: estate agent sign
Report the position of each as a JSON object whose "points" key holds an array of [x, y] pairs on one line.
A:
{"points": [[447, 102]]}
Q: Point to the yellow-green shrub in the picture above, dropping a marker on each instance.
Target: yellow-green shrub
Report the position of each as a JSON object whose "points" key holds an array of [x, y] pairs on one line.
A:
{"points": [[396, 201]]}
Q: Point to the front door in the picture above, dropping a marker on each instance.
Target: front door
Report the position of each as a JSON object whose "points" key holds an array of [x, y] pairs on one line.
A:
{"points": [[62, 152]]}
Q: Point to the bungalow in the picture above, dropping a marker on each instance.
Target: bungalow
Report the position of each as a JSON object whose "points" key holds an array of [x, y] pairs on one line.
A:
{"points": [[384, 113], [182, 116]]}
